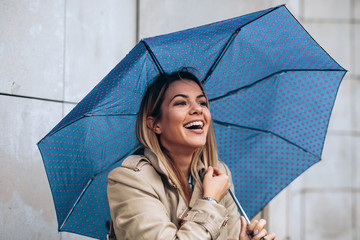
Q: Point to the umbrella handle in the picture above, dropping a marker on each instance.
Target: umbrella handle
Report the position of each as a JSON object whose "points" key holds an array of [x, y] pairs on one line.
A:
{"points": [[240, 208]]}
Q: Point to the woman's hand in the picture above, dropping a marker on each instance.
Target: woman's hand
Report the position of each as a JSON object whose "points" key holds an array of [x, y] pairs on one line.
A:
{"points": [[216, 183], [255, 231]]}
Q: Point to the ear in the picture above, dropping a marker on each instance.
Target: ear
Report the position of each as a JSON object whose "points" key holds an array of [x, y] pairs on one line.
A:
{"points": [[151, 124]]}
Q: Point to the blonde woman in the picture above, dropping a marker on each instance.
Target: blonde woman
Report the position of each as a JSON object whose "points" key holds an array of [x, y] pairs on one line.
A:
{"points": [[175, 187]]}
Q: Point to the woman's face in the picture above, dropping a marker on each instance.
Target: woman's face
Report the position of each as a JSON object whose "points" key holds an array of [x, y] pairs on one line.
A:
{"points": [[185, 117]]}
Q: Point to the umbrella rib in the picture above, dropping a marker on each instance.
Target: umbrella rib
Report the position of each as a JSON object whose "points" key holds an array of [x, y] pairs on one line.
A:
{"points": [[266, 132], [88, 184], [76, 202], [102, 114], [158, 66], [228, 43], [222, 53], [312, 37], [264, 78]]}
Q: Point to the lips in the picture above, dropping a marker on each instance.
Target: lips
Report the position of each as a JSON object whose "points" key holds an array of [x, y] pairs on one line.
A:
{"points": [[194, 125]]}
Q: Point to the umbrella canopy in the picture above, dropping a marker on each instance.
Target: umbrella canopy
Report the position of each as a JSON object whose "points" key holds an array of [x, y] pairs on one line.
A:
{"points": [[271, 89]]}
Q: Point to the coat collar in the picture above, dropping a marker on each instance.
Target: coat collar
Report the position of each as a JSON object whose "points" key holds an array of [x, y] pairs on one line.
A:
{"points": [[160, 168], [197, 193], [155, 162]]}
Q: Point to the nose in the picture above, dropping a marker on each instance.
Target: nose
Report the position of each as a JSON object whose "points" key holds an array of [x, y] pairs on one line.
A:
{"points": [[196, 108]]}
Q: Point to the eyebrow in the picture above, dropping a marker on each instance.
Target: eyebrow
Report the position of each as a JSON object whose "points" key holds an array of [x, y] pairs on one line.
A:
{"points": [[186, 96]]}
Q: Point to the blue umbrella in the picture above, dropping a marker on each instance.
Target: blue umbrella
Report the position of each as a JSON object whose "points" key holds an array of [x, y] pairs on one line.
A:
{"points": [[271, 89]]}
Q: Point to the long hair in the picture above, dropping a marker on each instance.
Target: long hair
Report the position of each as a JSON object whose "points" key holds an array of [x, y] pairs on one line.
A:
{"points": [[151, 106]]}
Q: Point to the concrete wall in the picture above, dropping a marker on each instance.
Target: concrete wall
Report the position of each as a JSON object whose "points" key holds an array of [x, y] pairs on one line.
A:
{"points": [[53, 52]]}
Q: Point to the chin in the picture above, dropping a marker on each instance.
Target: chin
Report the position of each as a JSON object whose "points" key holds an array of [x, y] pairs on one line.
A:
{"points": [[198, 144]]}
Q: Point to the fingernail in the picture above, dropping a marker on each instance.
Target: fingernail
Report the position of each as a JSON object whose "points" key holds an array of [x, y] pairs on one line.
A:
{"points": [[256, 231]]}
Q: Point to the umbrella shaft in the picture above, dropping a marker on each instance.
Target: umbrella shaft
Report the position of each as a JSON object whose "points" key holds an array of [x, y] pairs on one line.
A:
{"points": [[239, 206]]}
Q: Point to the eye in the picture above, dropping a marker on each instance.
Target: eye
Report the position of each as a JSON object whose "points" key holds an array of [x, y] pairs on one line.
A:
{"points": [[202, 103], [182, 103]]}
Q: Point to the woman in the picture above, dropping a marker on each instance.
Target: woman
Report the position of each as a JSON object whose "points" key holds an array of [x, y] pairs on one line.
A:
{"points": [[175, 187]]}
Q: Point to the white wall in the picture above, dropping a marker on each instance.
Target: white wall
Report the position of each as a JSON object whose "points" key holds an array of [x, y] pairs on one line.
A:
{"points": [[58, 50]]}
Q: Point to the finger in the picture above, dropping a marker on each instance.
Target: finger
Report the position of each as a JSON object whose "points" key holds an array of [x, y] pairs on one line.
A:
{"points": [[252, 225], [218, 172], [261, 235], [259, 226], [270, 236], [209, 171]]}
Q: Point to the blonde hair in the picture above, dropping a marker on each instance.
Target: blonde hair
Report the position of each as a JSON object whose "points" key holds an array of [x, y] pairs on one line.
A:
{"points": [[151, 106]]}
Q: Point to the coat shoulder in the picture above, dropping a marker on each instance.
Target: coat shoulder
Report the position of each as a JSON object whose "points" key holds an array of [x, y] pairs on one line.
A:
{"points": [[135, 162], [224, 167], [134, 175], [135, 168]]}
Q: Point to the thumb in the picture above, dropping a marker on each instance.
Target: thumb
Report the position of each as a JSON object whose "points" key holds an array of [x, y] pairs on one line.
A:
{"points": [[210, 171], [244, 226]]}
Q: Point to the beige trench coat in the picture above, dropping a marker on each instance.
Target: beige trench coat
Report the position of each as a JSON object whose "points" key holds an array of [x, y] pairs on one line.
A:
{"points": [[145, 204]]}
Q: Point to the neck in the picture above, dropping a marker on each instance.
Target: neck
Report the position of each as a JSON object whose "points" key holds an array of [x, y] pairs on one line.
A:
{"points": [[181, 156], [182, 161]]}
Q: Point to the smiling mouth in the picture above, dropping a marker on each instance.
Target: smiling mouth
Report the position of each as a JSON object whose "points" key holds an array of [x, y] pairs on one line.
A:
{"points": [[194, 125]]}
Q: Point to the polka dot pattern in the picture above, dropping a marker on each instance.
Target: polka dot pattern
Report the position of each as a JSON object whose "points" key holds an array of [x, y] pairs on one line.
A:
{"points": [[196, 47], [120, 92], [293, 105], [78, 158], [261, 164], [282, 120], [270, 44], [271, 89]]}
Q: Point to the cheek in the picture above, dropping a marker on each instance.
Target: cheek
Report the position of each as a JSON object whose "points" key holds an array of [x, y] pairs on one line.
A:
{"points": [[171, 119], [175, 116], [207, 114]]}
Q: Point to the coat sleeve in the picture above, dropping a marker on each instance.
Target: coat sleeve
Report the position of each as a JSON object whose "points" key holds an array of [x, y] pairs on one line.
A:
{"points": [[233, 225], [138, 212]]}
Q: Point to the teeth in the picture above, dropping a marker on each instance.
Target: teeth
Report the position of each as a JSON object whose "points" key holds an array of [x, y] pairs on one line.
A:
{"points": [[197, 123]]}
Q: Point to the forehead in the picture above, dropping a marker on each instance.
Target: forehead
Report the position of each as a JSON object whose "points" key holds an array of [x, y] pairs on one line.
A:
{"points": [[183, 87]]}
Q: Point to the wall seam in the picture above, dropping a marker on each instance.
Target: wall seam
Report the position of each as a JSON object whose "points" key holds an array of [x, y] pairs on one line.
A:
{"points": [[64, 59], [64, 72], [353, 119], [303, 220], [137, 21], [287, 213]]}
